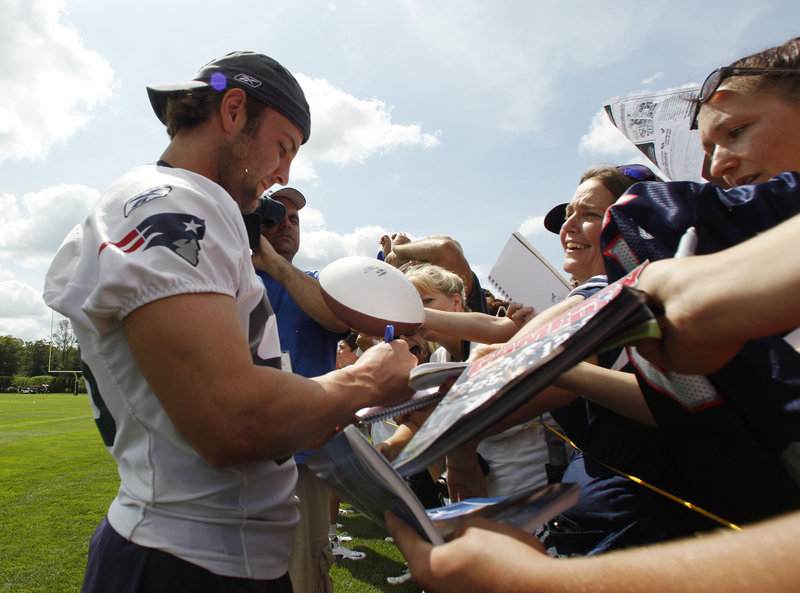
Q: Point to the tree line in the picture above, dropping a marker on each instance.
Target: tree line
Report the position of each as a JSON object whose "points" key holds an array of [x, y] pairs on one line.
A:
{"points": [[21, 361]]}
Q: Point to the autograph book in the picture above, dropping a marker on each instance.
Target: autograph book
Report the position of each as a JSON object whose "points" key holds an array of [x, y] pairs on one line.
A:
{"points": [[425, 379], [522, 274]]}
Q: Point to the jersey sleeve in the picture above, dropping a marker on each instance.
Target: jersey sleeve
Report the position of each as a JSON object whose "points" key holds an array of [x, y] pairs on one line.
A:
{"points": [[153, 238]]}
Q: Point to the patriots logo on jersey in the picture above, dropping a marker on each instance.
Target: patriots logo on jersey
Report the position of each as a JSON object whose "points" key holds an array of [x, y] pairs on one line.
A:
{"points": [[180, 233]]}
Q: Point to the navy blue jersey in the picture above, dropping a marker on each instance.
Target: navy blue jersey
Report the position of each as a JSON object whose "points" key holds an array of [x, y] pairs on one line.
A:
{"points": [[746, 415]]}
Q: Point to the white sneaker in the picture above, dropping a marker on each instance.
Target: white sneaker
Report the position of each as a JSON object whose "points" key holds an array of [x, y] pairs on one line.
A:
{"points": [[344, 537], [399, 580], [340, 552]]}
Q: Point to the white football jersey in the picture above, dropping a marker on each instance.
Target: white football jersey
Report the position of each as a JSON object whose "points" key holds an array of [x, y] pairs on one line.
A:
{"points": [[158, 232]]}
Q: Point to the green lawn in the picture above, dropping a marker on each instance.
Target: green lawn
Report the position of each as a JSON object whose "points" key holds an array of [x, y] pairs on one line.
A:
{"points": [[57, 482]]}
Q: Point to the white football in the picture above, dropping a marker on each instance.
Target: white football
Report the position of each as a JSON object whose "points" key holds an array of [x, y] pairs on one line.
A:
{"points": [[368, 294]]}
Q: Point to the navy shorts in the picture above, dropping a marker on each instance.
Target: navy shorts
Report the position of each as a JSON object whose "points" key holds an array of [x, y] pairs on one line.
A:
{"points": [[120, 566]]}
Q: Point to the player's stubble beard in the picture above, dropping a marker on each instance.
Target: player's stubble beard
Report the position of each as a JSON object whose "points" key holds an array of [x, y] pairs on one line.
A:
{"points": [[234, 175]]}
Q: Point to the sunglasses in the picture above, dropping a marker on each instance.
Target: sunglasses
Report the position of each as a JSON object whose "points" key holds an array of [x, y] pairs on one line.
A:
{"points": [[711, 85], [639, 172]]}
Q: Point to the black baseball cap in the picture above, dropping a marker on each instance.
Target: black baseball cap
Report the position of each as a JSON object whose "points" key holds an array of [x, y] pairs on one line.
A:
{"points": [[554, 220], [258, 75]]}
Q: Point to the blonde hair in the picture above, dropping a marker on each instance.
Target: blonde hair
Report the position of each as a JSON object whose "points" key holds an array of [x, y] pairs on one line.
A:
{"points": [[428, 277]]}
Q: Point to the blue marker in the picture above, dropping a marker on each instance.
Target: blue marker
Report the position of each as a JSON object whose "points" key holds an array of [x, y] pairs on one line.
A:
{"points": [[389, 335]]}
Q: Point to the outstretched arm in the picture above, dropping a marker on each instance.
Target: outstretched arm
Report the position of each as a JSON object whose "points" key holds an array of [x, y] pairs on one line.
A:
{"points": [[489, 557], [303, 288], [440, 250], [472, 326], [615, 390]]}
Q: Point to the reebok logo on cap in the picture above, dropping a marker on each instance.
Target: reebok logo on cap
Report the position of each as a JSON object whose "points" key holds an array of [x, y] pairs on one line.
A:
{"points": [[248, 80]]}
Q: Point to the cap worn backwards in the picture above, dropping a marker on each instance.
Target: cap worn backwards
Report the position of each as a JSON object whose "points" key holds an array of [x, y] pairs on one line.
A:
{"points": [[554, 219], [258, 75]]}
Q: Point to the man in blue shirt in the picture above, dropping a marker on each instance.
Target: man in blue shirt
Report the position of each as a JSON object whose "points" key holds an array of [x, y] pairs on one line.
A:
{"points": [[309, 333]]}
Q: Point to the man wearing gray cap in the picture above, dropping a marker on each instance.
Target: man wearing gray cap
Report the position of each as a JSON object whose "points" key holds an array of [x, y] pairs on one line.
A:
{"points": [[180, 351], [309, 334]]}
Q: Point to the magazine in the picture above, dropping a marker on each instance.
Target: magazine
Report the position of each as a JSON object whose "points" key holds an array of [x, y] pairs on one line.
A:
{"points": [[357, 472], [523, 275], [499, 383]]}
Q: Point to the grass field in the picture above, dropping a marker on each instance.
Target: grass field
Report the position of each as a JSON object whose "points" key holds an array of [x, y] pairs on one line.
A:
{"points": [[57, 482]]}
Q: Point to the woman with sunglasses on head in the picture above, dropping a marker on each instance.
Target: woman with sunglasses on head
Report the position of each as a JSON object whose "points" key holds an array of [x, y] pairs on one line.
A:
{"points": [[748, 115]]}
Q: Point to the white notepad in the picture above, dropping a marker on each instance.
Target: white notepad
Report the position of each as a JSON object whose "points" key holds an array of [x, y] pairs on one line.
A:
{"points": [[522, 274]]}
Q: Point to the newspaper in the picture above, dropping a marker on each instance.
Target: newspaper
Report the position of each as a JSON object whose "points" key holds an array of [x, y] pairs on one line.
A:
{"points": [[658, 125]]}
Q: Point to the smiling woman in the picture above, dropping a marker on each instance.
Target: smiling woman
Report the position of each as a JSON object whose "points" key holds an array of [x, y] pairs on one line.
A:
{"points": [[580, 222]]}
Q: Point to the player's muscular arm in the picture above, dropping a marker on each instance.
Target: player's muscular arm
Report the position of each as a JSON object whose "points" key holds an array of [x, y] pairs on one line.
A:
{"points": [[230, 410]]}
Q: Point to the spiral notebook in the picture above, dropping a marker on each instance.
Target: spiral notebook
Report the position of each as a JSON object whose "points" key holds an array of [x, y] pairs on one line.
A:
{"points": [[425, 379], [522, 274], [419, 400]]}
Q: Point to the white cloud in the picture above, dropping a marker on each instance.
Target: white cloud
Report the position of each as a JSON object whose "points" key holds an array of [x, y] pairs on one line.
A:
{"points": [[311, 219], [652, 79], [50, 81], [320, 247], [604, 138], [31, 228], [532, 226], [18, 299], [23, 313], [29, 329], [347, 129]]}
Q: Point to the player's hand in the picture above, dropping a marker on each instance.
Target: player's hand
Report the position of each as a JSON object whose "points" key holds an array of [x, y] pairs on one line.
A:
{"points": [[385, 367]]}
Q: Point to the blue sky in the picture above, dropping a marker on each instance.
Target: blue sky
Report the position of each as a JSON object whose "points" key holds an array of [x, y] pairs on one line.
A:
{"points": [[429, 117]]}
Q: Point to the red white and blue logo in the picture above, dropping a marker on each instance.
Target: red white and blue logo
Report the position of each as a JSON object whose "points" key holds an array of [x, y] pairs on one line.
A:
{"points": [[180, 233]]}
